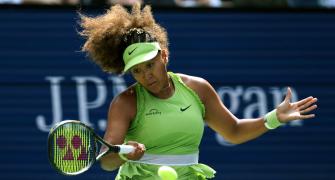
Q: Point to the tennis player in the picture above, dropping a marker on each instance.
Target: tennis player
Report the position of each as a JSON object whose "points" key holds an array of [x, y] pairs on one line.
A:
{"points": [[163, 114]]}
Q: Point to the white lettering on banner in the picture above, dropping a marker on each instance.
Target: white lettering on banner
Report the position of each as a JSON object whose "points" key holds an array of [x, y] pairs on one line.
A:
{"points": [[233, 95], [56, 105], [249, 101], [119, 85], [258, 107], [84, 105]]}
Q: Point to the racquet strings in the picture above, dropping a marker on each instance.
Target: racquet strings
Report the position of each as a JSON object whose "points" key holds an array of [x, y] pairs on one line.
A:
{"points": [[72, 148]]}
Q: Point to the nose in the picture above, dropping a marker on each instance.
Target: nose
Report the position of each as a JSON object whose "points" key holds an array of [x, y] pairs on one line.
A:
{"points": [[148, 75]]}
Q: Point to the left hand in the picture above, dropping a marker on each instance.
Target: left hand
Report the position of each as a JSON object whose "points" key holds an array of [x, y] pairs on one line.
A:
{"points": [[287, 111], [138, 152]]}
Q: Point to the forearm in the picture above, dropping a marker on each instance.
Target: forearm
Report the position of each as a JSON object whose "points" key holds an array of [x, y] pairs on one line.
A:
{"points": [[111, 162], [248, 129]]}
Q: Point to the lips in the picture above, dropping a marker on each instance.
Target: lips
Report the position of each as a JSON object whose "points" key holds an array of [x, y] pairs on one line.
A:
{"points": [[152, 83]]}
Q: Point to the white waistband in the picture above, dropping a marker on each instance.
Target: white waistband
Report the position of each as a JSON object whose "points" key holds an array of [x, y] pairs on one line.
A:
{"points": [[169, 160]]}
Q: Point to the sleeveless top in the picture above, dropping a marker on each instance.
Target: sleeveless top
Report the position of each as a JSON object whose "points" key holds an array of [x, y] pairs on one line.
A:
{"points": [[171, 130]]}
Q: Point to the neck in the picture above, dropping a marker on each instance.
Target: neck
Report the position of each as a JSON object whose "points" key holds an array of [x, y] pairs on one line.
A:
{"points": [[167, 90]]}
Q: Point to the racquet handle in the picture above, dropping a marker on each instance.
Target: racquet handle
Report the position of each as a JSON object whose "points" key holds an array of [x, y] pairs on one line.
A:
{"points": [[125, 149]]}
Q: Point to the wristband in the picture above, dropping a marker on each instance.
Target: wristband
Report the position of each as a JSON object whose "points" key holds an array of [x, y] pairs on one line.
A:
{"points": [[271, 121]]}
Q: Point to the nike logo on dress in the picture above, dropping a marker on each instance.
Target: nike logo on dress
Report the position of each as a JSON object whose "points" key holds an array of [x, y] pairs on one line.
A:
{"points": [[184, 109], [130, 52]]}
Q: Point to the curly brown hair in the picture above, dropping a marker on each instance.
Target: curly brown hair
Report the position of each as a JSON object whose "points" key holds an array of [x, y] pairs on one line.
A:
{"points": [[108, 35]]}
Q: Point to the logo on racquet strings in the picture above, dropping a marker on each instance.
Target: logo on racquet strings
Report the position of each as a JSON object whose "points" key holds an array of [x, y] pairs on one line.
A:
{"points": [[72, 147]]}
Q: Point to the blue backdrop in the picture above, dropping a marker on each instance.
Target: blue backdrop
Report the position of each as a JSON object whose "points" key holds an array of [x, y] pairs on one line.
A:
{"points": [[249, 57]]}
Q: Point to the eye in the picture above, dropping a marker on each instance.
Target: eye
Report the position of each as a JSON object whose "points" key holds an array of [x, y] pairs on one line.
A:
{"points": [[135, 71], [150, 65]]}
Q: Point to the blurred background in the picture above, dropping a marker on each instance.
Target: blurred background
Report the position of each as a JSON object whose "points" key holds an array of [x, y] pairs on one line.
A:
{"points": [[186, 3], [249, 50]]}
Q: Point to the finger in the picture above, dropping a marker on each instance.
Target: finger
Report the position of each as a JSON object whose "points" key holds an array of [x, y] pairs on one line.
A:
{"points": [[134, 151], [308, 109], [136, 146], [307, 116], [301, 102], [142, 147], [307, 104], [131, 142], [288, 95]]}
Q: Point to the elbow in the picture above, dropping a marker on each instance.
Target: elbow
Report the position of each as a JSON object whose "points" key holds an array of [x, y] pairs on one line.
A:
{"points": [[106, 166], [234, 136], [234, 141]]}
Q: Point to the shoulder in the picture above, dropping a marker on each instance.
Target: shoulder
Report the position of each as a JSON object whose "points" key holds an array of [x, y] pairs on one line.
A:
{"points": [[198, 84], [127, 96], [191, 80], [125, 102]]}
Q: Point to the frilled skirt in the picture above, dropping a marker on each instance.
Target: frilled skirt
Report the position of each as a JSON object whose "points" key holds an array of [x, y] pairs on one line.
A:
{"points": [[141, 171]]}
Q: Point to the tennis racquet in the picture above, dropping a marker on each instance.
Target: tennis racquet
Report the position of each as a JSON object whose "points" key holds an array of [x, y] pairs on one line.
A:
{"points": [[73, 147]]}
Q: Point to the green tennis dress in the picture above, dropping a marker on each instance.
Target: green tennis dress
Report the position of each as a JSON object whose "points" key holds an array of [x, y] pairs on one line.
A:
{"points": [[171, 130]]}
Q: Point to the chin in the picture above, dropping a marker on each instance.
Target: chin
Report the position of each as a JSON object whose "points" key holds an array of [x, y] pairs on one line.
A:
{"points": [[153, 90]]}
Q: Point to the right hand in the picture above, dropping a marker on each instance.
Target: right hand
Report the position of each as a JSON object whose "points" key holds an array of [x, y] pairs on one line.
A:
{"points": [[287, 111], [137, 153]]}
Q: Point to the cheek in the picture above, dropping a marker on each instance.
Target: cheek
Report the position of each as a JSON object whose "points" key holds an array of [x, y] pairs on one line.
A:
{"points": [[161, 68], [162, 71]]}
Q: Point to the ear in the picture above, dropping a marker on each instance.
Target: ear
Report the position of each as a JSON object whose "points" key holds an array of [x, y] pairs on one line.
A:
{"points": [[165, 56]]}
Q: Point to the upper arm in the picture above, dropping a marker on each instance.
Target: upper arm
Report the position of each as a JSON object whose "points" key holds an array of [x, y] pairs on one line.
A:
{"points": [[217, 115], [121, 112]]}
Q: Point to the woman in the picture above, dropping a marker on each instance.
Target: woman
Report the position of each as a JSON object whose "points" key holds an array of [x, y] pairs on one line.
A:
{"points": [[163, 114]]}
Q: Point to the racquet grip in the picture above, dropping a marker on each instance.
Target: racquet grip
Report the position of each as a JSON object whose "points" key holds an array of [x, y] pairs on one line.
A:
{"points": [[125, 149]]}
